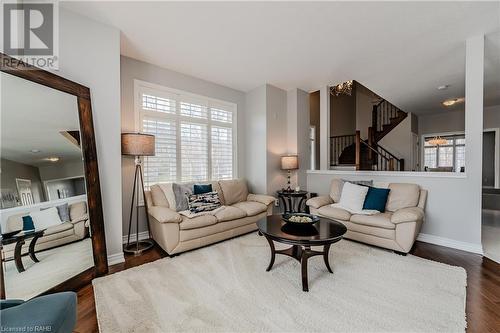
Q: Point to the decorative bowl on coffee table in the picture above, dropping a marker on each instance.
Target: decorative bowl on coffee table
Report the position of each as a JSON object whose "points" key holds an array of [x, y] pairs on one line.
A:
{"points": [[300, 218]]}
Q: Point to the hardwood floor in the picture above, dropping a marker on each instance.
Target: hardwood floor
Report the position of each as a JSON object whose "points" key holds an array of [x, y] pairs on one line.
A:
{"points": [[483, 286]]}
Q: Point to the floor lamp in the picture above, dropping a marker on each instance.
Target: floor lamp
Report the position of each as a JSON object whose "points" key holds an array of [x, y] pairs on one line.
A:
{"points": [[138, 145]]}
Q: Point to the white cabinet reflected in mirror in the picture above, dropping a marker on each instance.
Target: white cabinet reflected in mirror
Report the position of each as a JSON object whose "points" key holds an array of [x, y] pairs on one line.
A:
{"points": [[45, 225]]}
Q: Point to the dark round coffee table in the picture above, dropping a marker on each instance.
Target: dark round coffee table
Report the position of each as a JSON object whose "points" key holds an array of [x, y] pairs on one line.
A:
{"points": [[19, 239], [301, 237]]}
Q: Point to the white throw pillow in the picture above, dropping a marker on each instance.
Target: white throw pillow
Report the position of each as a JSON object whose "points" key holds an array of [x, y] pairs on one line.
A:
{"points": [[45, 218], [353, 197]]}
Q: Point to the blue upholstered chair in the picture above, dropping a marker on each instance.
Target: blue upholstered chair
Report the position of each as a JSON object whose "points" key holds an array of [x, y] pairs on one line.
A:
{"points": [[54, 313]]}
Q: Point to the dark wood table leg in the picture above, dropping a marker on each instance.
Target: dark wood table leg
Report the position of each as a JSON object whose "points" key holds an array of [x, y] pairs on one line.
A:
{"points": [[17, 256], [326, 249], [300, 204], [303, 264], [273, 253], [32, 248]]}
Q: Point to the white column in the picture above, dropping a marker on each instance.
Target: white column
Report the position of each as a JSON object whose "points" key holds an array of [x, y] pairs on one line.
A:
{"points": [[474, 76], [324, 135]]}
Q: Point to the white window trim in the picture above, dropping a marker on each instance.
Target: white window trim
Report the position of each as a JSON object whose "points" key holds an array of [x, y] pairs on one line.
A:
{"points": [[140, 86]]}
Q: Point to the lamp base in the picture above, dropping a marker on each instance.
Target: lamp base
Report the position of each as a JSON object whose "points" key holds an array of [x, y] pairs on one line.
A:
{"points": [[138, 247]]}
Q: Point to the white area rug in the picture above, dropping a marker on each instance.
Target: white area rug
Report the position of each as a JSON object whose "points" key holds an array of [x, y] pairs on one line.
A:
{"points": [[225, 288], [56, 265]]}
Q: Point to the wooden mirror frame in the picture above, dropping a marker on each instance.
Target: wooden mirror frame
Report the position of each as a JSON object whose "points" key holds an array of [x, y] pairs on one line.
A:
{"points": [[22, 70]]}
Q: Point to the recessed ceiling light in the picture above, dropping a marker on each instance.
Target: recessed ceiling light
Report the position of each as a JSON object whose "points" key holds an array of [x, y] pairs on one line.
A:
{"points": [[52, 159], [35, 151], [453, 101], [444, 87]]}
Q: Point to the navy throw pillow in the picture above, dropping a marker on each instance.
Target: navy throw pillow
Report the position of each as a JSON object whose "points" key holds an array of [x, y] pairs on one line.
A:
{"points": [[202, 189], [376, 198], [28, 223]]}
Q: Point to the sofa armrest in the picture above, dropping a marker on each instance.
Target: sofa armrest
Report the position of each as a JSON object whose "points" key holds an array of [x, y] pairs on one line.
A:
{"points": [[264, 199], [318, 202], [410, 214], [81, 218], [164, 214]]}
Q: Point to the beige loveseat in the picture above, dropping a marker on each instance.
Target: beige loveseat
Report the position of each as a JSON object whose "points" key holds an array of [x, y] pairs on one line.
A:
{"points": [[60, 234], [395, 229], [176, 233]]}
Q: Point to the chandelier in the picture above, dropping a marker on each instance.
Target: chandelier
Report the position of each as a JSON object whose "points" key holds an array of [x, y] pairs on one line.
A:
{"points": [[437, 141], [344, 88]]}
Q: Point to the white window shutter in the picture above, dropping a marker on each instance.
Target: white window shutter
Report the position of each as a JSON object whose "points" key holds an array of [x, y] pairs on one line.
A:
{"points": [[194, 152], [222, 153], [161, 167]]}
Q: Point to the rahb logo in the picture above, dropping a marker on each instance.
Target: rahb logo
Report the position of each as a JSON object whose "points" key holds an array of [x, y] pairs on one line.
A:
{"points": [[30, 32]]}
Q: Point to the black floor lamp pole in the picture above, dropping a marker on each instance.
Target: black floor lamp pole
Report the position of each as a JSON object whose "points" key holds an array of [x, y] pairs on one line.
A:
{"points": [[138, 246]]}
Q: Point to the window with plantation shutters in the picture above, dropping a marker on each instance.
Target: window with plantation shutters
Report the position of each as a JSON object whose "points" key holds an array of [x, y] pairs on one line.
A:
{"points": [[195, 135]]}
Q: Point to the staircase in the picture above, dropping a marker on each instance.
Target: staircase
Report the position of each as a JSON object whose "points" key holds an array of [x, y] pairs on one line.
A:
{"points": [[368, 154]]}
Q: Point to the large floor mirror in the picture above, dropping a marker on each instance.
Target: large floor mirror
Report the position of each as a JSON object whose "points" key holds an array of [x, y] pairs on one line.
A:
{"points": [[50, 204]]}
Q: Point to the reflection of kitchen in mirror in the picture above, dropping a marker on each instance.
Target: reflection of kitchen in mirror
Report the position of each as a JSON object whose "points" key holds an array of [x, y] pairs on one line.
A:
{"points": [[44, 220], [417, 129]]}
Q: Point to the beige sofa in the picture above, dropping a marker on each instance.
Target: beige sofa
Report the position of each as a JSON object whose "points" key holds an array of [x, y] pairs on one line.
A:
{"points": [[395, 229], [176, 233], [57, 235]]}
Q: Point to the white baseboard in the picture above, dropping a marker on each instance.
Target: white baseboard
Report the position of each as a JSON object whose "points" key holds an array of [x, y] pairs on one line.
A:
{"points": [[447, 242], [116, 258], [142, 235]]}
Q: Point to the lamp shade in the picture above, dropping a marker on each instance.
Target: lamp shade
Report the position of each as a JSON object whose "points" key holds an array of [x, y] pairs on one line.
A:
{"points": [[290, 162], [138, 144]]}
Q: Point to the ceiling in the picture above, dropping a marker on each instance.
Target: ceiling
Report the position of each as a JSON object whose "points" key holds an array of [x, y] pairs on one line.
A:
{"points": [[32, 117], [401, 50]]}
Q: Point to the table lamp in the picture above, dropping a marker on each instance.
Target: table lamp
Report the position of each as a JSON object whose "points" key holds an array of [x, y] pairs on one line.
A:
{"points": [[289, 163], [137, 144]]}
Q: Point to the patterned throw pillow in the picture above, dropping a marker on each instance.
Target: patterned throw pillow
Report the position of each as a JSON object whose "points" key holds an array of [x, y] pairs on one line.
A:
{"points": [[203, 202]]}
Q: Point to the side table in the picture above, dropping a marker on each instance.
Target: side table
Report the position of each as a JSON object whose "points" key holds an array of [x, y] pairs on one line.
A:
{"points": [[293, 201]]}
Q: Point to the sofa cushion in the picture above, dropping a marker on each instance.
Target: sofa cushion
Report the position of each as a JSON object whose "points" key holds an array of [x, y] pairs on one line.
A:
{"points": [[382, 220], [334, 213], [251, 208], [197, 222], [353, 196], [205, 202], [234, 190], [402, 196], [376, 199], [369, 230], [229, 213], [158, 195], [45, 218], [336, 189], [181, 191], [58, 228], [202, 188]]}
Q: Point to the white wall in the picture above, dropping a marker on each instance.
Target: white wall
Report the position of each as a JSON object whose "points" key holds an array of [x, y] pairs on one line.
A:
{"points": [[298, 123], [255, 120], [134, 69], [454, 121], [399, 141], [60, 170], [276, 105], [89, 53]]}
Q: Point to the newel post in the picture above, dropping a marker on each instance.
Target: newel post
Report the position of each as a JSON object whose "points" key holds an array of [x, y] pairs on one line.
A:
{"points": [[358, 150]]}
